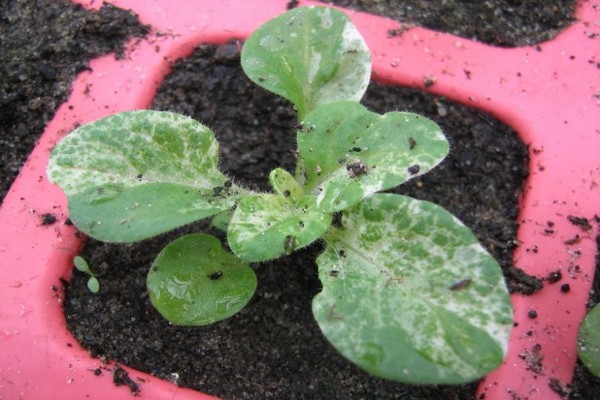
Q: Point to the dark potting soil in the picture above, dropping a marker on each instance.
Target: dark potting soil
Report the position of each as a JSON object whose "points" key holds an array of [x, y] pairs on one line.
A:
{"points": [[503, 23], [273, 348], [43, 45]]}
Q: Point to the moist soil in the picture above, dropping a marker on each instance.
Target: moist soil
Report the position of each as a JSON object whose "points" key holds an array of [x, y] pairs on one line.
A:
{"points": [[273, 348], [44, 44]]}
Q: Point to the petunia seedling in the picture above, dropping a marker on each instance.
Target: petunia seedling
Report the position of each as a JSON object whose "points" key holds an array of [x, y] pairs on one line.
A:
{"points": [[82, 265], [408, 292]]}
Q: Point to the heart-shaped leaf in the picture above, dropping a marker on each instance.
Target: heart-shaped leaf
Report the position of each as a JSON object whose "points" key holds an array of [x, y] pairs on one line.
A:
{"points": [[349, 153], [136, 174], [310, 56], [194, 281], [268, 226], [410, 295]]}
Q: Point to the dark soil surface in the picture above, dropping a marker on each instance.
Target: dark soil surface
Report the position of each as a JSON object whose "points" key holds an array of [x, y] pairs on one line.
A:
{"points": [[43, 45], [503, 23], [273, 348]]}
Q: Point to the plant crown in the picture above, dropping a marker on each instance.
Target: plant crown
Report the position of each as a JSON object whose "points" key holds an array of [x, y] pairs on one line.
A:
{"points": [[408, 292]]}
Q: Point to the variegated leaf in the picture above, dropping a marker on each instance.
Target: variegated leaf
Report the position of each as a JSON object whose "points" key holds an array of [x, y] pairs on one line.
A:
{"points": [[310, 56], [349, 153], [136, 174], [410, 295], [268, 226]]}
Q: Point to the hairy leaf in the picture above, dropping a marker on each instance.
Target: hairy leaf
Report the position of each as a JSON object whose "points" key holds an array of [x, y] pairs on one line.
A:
{"points": [[268, 226], [349, 153], [589, 341], [410, 295], [136, 174], [310, 56], [194, 281]]}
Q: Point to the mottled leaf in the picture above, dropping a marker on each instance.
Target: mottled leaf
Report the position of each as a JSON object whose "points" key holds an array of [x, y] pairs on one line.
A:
{"points": [[310, 56], [349, 153], [136, 174], [410, 295], [194, 281], [589, 341], [285, 185], [268, 226]]}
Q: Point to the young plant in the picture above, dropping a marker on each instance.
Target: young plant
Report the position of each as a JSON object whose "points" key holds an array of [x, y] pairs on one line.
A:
{"points": [[408, 292], [82, 265]]}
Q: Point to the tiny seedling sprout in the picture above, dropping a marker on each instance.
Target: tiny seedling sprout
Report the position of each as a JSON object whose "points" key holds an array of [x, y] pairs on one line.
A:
{"points": [[408, 293], [82, 265]]}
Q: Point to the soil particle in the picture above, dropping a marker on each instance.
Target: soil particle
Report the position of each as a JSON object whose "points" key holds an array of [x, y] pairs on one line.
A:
{"points": [[581, 222], [48, 219], [521, 282], [121, 377]]}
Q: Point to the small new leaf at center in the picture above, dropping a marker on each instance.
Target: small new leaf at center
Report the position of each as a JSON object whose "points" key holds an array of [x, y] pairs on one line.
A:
{"points": [[268, 226]]}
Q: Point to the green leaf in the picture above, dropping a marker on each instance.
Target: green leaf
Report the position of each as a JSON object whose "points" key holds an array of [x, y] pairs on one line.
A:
{"points": [[268, 226], [82, 265], [349, 153], [589, 341], [194, 281], [221, 221], [134, 175], [285, 185], [310, 56], [410, 295], [93, 285]]}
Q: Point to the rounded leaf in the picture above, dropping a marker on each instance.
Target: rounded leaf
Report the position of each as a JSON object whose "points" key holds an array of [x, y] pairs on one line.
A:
{"points": [[136, 174], [410, 295], [194, 281], [93, 285], [349, 153], [310, 56]]}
